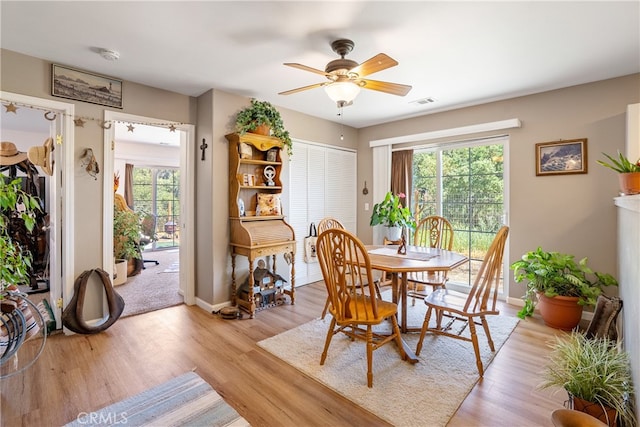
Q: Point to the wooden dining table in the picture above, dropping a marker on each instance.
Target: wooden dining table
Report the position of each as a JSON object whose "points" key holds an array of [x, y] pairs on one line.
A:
{"points": [[417, 259]]}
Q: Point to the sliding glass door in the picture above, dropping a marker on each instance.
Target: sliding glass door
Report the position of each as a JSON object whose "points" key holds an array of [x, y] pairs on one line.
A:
{"points": [[465, 183]]}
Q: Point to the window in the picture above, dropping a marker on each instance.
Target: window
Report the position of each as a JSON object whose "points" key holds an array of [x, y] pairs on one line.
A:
{"points": [[157, 192], [465, 184]]}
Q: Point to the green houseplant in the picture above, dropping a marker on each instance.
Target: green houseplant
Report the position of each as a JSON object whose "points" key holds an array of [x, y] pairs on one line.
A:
{"points": [[263, 113], [391, 213], [554, 274], [126, 234], [628, 172], [592, 370], [15, 262]]}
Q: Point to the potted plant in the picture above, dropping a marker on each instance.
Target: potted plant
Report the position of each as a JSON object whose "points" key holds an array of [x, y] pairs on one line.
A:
{"points": [[392, 215], [629, 173], [261, 113], [126, 240], [15, 262], [559, 285], [595, 374]]}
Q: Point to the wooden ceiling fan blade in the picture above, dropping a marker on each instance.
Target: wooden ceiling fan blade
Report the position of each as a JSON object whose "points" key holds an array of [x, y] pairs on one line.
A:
{"points": [[386, 87], [373, 65], [306, 68], [300, 89]]}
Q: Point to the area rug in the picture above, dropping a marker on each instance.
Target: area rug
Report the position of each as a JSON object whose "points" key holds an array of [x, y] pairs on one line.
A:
{"points": [[184, 400], [425, 394]]}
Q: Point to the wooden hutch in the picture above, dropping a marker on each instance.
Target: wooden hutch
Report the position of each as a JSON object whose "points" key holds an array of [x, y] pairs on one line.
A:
{"points": [[257, 230]]}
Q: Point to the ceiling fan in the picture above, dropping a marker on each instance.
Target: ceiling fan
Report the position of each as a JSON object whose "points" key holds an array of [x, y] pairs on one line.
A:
{"points": [[346, 77]]}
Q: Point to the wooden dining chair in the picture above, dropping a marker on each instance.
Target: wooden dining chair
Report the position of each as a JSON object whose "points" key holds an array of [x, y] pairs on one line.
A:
{"points": [[354, 304], [471, 309], [434, 232], [325, 224]]}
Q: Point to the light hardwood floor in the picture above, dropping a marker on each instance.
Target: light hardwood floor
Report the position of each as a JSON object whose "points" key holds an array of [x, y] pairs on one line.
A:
{"points": [[86, 372]]}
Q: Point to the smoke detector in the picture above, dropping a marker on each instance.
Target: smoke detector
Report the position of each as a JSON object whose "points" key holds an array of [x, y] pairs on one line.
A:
{"points": [[110, 55]]}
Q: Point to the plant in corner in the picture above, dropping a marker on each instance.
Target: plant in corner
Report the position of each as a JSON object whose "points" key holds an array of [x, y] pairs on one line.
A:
{"points": [[391, 213], [263, 113], [15, 262], [126, 234], [629, 173], [592, 371], [554, 274]]}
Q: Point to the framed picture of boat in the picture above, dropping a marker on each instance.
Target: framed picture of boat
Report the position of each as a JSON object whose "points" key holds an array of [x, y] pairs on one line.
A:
{"points": [[561, 157], [85, 86]]}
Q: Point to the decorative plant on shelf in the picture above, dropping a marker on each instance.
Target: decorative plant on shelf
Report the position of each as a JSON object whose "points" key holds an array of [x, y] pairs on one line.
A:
{"points": [[592, 370], [391, 213], [126, 234], [263, 113], [621, 164], [552, 274], [15, 262], [628, 173]]}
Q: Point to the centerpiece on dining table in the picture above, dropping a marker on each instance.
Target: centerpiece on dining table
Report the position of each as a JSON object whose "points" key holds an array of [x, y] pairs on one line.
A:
{"points": [[394, 216]]}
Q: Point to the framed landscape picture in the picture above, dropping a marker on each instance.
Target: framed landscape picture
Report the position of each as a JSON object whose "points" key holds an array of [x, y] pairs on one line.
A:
{"points": [[86, 87], [561, 157]]}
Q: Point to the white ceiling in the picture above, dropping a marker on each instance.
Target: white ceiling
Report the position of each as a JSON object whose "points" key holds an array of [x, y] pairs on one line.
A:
{"points": [[459, 53]]}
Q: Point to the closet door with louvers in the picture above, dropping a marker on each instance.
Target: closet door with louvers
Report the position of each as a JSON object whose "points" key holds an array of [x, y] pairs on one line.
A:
{"points": [[322, 183]]}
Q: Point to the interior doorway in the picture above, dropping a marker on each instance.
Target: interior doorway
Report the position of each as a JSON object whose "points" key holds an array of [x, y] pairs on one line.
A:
{"points": [[30, 123], [156, 168]]}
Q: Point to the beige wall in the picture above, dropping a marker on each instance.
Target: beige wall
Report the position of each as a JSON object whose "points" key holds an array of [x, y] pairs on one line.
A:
{"points": [[571, 213]]}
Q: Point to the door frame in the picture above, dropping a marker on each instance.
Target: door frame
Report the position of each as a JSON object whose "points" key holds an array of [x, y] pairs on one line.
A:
{"points": [[62, 270], [187, 198]]}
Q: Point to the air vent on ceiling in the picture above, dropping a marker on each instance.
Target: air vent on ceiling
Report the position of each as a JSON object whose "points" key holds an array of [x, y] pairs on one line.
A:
{"points": [[428, 100]]}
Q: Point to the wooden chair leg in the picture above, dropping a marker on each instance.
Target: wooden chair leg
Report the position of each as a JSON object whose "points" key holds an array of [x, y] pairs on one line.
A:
{"points": [[476, 347], [369, 356], [423, 331], [325, 309], [485, 325], [330, 333]]}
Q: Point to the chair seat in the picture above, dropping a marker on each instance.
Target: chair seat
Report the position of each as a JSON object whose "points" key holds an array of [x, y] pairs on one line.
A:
{"points": [[361, 312], [428, 278], [454, 302]]}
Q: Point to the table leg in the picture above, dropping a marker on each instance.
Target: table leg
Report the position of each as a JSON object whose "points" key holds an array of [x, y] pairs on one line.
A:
{"points": [[397, 287]]}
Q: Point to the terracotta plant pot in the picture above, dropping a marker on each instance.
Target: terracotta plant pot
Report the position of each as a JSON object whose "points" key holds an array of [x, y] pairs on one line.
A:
{"points": [[629, 183], [603, 413], [262, 130], [560, 312]]}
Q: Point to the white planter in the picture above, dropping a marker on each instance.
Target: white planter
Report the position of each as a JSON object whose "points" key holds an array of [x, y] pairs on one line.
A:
{"points": [[394, 233], [120, 272]]}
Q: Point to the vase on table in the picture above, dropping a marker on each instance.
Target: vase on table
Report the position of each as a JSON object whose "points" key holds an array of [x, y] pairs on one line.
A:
{"points": [[394, 233]]}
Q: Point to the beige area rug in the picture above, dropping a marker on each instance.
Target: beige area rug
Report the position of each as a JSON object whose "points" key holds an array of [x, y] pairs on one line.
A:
{"points": [[425, 394]]}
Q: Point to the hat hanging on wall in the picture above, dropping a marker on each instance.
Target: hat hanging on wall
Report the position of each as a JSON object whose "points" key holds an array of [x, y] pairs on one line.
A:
{"points": [[9, 154], [89, 163], [41, 156]]}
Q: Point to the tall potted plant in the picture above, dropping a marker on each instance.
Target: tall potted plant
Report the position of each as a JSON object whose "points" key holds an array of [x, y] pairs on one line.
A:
{"points": [[262, 113], [126, 241], [629, 173], [559, 285], [15, 262], [595, 374], [392, 215]]}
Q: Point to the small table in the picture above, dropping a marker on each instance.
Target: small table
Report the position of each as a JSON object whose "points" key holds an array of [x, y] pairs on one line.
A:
{"points": [[417, 259]]}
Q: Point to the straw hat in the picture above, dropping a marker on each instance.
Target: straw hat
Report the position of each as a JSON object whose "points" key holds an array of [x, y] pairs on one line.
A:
{"points": [[9, 154], [41, 156]]}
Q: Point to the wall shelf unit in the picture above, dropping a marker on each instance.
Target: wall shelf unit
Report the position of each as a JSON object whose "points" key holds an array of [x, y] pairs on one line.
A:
{"points": [[256, 232]]}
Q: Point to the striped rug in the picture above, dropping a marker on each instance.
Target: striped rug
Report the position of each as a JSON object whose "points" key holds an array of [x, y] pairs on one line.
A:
{"points": [[184, 400]]}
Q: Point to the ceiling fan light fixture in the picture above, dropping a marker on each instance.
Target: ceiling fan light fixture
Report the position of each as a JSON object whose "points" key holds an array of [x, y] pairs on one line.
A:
{"points": [[342, 92]]}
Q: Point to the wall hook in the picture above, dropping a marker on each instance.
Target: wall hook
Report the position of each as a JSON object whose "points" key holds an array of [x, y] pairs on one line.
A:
{"points": [[365, 190]]}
